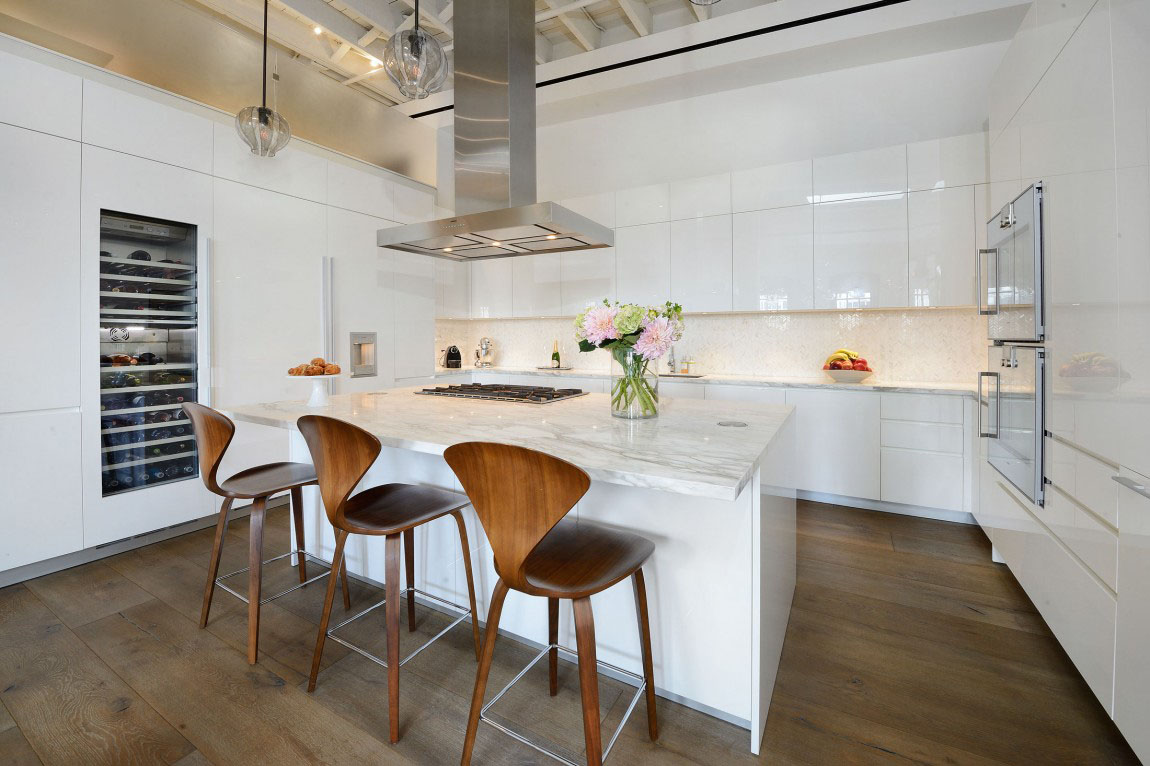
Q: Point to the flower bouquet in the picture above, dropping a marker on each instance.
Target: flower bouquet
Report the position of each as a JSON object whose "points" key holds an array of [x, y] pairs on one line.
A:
{"points": [[636, 336]]}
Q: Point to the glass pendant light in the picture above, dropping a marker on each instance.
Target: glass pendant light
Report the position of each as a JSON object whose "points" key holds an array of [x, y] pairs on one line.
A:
{"points": [[704, 2], [415, 61], [263, 129]]}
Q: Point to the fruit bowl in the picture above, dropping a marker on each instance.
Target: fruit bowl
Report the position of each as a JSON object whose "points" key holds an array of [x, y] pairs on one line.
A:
{"points": [[849, 376]]}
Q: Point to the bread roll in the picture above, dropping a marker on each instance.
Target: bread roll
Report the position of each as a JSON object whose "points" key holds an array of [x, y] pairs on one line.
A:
{"points": [[318, 362], [331, 369]]}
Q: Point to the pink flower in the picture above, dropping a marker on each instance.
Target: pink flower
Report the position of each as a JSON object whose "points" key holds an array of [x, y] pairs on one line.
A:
{"points": [[656, 339], [599, 324]]}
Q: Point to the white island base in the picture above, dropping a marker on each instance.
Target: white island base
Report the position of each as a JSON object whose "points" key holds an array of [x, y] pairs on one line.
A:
{"points": [[719, 585]]}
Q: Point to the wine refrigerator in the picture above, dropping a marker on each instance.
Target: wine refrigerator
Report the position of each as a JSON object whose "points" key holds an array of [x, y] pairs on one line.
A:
{"points": [[148, 351]]}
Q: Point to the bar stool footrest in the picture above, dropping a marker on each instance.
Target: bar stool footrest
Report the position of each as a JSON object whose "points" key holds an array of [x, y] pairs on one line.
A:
{"points": [[640, 682], [316, 559]]}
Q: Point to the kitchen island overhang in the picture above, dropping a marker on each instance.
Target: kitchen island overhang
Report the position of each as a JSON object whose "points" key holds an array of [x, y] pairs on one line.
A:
{"points": [[708, 482]]}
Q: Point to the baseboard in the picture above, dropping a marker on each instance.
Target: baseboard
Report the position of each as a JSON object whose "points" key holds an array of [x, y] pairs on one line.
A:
{"points": [[97, 552], [938, 514]]}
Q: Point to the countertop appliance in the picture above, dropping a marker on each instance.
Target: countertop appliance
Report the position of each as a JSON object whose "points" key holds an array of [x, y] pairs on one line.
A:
{"points": [[453, 360], [502, 393], [496, 212], [485, 354], [1011, 409]]}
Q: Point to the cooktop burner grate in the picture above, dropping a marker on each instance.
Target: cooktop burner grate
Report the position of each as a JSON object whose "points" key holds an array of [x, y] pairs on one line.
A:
{"points": [[501, 393]]}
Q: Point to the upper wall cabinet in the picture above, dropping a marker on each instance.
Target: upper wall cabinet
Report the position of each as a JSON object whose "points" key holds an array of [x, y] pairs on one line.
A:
{"points": [[295, 171], [643, 263], [876, 172], [535, 285], [700, 197], [645, 204], [492, 290], [414, 315], [947, 162], [773, 259], [701, 263], [36, 96], [452, 289], [598, 207], [413, 203], [861, 253], [40, 261], [361, 189], [773, 186], [119, 120], [942, 245], [588, 278]]}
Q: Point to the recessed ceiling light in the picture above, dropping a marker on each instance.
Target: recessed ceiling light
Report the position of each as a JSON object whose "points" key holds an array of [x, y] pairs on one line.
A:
{"points": [[447, 249], [376, 63], [551, 236], [495, 244], [318, 30]]}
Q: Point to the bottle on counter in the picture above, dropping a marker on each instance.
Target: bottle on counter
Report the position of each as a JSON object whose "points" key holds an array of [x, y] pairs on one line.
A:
{"points": [[555, 355]]}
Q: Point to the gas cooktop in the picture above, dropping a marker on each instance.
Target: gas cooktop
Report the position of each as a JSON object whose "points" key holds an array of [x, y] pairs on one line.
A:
{"points": [[535, 394]]}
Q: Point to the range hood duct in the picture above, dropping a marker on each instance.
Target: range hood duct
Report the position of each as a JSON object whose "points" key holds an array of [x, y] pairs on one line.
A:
{"points": [[497, 215]]}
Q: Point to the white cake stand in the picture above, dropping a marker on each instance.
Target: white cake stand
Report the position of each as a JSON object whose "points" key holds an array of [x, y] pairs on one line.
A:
{"points": [[319, 397]]}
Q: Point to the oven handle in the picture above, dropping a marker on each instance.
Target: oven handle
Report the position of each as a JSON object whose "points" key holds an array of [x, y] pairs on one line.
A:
{"points": [[997, 404], [1132, 485], [989, 310]]}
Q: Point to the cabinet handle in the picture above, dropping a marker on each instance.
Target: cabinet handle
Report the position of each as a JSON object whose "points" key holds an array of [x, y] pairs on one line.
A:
{"points": [[1133, 486], [989, 310], [997, 403]]}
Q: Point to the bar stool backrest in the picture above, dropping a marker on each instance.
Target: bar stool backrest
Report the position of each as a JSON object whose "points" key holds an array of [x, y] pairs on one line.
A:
{"points": [[519, 494], [341, 453], [214, 431]]}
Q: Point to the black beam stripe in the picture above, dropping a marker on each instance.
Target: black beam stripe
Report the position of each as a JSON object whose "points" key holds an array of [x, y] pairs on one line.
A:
{"points": [[702, 46]]}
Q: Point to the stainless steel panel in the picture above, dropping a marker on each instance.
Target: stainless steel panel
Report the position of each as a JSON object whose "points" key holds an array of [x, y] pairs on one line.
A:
{"points": [[1014, 288], [1016, 447]]}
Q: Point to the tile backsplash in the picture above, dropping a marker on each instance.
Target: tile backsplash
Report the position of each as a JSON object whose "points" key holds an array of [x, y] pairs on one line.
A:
{"points": [[939, 345]]}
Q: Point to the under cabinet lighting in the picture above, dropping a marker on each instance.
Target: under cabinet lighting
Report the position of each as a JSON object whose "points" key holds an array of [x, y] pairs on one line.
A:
{"points": [[318, 30]]}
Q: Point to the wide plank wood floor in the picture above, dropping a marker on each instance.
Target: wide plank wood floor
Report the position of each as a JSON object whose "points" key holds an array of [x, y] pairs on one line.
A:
{"points": [[906, 645]]}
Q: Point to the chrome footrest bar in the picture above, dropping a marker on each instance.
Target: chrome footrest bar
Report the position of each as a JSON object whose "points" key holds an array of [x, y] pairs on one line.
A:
{"points": [[242, 597], [466, 611], [640, 682]]}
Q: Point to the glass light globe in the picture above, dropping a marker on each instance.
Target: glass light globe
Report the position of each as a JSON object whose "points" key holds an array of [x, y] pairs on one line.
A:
{"points": [[704, 2], [416, 63], [262, 129]]}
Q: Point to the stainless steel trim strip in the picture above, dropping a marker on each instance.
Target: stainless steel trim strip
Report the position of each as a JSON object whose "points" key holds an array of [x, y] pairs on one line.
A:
{"points": [[1133, 486]]}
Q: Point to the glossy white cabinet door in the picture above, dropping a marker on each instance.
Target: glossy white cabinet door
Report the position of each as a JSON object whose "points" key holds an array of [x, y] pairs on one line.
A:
{"points": [[700, 197], [1132, 671], [837, 442], [295, 170], [645, 204], [40, 262], [536, 285], [942, 247], [36, 96], [772, 186], [413, 202], [453, 289], [414, 314], [492, 289], [943, 163], [588, 278], [155, 127], [701, 263], [42, 511], [871, 173], [1083, 533], [861, 256], [734, 393], [598, 207], [643, 264], [773, 259], [681, 389], [927, 479], [360, 187]]}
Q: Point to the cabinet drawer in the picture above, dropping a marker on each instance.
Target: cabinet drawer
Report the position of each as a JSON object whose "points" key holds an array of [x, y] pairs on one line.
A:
{"points": [[680, 390], [1132, 685], [923, 408], [933, 437], [759, 395], [1084, 478], [836, 442], [1091, 541], [929, 479]]}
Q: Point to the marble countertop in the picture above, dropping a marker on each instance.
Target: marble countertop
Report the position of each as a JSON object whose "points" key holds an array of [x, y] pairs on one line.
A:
{"points": [[683, 451], [820, 381]]}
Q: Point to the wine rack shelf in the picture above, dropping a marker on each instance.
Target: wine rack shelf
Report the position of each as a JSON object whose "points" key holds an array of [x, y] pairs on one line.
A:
{"points": [[149, 444], [145, 297], [160, 387], [105, 311], [183, 284], [165, 425], [149, 461], [141, 264], [162, 366], [136, 410]]}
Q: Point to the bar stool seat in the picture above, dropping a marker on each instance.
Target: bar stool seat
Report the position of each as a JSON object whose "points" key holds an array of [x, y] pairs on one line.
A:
{"points": [[392, 508], [580, 559], [268, 479]]}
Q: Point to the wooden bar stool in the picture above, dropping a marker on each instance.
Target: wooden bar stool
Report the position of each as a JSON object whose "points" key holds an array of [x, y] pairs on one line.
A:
{"points": [[521, 497], [214, 431], [342, 454]]}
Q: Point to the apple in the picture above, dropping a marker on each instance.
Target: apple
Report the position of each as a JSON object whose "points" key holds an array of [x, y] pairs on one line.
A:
{"points": [[861, 361], [860, 365], [826, 366]]}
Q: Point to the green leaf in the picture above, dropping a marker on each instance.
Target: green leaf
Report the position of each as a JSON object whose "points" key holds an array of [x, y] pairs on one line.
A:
{"points": [[585, 345]]}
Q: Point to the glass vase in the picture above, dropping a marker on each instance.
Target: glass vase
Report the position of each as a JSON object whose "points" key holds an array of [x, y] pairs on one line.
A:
{"points": [[634, 386]]}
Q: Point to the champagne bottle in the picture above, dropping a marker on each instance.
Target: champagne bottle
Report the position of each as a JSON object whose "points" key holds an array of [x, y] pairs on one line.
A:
{"points": [[555, 355]]}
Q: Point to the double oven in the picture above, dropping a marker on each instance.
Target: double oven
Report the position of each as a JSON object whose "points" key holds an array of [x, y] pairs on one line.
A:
{"points": [[1011, 390]]}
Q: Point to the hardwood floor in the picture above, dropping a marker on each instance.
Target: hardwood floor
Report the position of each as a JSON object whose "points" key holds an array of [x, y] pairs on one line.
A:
{"points": [[905, 645]]}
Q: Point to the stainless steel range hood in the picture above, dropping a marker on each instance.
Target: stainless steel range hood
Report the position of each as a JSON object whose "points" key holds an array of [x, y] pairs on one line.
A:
{"points": [[496, 212]]}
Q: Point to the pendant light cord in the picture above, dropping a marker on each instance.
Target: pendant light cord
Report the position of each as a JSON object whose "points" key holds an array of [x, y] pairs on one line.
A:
{"points": [[416, 15], [264, 100]]}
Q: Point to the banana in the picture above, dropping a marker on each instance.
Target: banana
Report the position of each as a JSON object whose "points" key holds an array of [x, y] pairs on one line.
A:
{"points": [[838, 357], [850, 354]]}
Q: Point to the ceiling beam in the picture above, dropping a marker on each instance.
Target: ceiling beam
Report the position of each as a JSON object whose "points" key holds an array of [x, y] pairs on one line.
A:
{"points": [[639, 14], [581, 27], [543, 51], [430, 12], [378, 13]]}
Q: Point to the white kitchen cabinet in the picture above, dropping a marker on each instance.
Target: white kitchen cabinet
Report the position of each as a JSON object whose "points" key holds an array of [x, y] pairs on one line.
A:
{"points": [[360, 187], [535, 283], [414, 314], [598, 207], [492, 291], [837, 442], [861, 255], [412, 202], [773, 186], [642, 205], [39, 97], [643, 264], [1095, 543], [928, 437], [452, 289], [917, 477], [944, 163], [295, 170], [923, 461], [681, 389], [942, 245], [588, 277], [773, 252], [871, 173], [1084, 478], [158, 127], [42, 512], [701, 263], [751, 394], [700, 197], [40, 261], [1132, 671], [923, 408]]}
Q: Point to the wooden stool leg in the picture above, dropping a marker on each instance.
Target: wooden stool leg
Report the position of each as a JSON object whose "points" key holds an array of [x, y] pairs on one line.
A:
{"points": [[409, 557], [297, 513], [255, 574], [588, 680], [490, 632], [391, 590], [470, 580], [553, 638], [336, 564], [343, 582], [214, 563], [645, 641]]}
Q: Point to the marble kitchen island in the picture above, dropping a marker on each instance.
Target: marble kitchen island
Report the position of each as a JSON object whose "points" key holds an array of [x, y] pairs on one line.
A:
{"points": [[717, 501]]}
